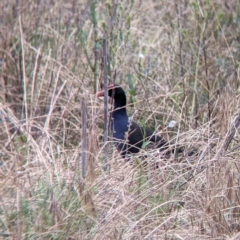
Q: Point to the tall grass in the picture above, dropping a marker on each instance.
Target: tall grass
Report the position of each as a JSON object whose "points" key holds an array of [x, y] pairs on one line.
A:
{"points": [[177, 60]]}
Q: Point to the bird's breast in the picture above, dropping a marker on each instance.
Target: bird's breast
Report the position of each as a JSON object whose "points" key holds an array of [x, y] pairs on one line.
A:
{"points": [[119, 127]]}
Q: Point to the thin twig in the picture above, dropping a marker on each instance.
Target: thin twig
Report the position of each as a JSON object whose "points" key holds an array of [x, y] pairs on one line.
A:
{"points": [[24, 77], [232, 132], [84, 138], [105, 79]]}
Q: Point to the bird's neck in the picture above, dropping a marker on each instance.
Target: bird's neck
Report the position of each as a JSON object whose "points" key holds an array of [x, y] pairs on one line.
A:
{"points": [[119, 109], [120, 106], [119, 122]]}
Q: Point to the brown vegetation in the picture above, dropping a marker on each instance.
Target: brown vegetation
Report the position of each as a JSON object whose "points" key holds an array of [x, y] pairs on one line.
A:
{"points": [[177, 60]]}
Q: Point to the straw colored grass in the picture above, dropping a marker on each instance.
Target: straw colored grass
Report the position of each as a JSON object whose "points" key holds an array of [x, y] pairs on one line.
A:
{"points": [[177, 60]]}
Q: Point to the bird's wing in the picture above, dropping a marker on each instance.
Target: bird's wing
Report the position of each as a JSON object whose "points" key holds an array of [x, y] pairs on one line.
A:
{"points": [[144, 134]]}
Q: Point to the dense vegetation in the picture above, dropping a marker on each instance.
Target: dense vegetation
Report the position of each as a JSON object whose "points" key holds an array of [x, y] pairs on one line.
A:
{"points": [[177, 60]]}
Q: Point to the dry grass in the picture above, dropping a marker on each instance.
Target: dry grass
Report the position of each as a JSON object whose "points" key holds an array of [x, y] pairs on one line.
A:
{"points": [[178, 60]]}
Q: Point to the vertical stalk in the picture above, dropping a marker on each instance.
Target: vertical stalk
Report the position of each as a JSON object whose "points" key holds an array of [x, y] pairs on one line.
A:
{"points": [[194, 104], [94, 19], [105, 79], [24, 79], [84, 138]]}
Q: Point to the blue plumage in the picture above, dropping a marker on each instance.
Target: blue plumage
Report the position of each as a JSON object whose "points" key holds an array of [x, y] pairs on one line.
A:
{"points": [[129, 136]]}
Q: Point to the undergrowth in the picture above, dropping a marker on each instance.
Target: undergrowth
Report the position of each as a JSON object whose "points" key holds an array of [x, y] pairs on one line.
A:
{"points": [[177, 61]]}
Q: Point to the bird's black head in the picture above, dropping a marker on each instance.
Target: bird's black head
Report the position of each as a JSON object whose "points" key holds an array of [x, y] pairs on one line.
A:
{"points": [[117, 93]]}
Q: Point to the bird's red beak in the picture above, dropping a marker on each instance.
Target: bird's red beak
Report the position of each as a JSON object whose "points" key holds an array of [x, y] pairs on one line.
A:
{"points": [[101, 93]]}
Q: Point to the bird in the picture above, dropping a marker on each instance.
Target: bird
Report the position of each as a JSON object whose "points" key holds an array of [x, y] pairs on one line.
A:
{"points": [[128, 135]]}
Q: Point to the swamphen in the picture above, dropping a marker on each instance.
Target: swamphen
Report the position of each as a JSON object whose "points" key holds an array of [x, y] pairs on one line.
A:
{"points": [[129, 136]]}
